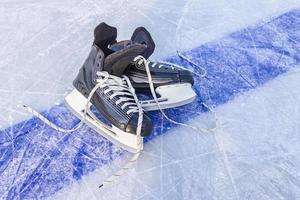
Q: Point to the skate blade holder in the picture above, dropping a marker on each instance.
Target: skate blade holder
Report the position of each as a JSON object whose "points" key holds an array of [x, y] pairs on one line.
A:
{"points": [[171, 96], [75, 101]]}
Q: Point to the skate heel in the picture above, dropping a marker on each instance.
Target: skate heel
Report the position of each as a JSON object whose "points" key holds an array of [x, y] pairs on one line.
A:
{"points": [[77, 101]]}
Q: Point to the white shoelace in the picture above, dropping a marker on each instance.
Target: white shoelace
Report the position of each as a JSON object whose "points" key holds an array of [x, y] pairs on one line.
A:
{"points": [[141, 60], [202, 74]]}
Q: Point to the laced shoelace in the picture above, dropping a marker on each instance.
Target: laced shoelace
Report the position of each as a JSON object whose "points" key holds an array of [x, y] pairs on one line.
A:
{"points": [[120, 87], [140, 60], [183, 57]]}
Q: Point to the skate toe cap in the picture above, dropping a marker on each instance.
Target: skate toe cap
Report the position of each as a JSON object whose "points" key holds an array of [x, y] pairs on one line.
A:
{"points": [[186, 76], [146, 125]]}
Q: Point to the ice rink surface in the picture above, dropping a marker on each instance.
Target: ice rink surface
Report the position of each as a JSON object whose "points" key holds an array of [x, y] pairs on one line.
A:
{"points": [[251, 51]]}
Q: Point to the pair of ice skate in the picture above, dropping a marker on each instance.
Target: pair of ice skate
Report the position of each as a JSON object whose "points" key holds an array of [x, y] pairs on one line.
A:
{"points": [[111, 76], [108, 82], [109, 79]]}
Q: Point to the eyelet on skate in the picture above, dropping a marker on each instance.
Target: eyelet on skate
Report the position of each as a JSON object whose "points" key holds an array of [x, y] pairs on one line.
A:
{"points": [[122, 126]]}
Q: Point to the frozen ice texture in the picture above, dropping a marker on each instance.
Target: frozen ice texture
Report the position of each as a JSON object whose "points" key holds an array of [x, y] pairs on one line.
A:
{"points": [[253, 154], [43, 44]]}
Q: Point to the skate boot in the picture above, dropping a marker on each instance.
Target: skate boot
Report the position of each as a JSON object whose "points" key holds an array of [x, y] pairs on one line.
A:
{"points": [[162, 73], [114, 97], [168, 80]]}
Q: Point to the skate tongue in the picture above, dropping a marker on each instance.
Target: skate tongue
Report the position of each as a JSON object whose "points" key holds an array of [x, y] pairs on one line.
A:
{"points": [[139, 36], [105, 35], [117, 62], [142, 36]]}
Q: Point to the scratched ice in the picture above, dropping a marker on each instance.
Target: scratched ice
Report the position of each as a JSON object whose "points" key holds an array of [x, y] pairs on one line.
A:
{"points": [[251, 51]]}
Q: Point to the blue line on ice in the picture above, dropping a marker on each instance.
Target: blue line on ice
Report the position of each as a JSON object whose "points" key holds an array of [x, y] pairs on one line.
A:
{"points": [[44, 160]]}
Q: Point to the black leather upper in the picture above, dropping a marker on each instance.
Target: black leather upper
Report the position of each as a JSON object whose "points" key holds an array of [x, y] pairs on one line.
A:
{"points": [[85, 82]]}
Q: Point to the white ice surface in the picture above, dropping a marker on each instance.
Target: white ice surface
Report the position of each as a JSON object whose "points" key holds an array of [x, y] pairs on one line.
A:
{"points": [[252, 155], [43, 43]]}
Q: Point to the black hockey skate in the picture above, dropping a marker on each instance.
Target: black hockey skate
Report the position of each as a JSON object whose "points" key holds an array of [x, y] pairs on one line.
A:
{"points": [[168, 80], [114, 96]]}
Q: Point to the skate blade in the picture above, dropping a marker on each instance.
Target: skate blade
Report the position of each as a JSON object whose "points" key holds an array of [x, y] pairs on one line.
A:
{"points": [[171, 96], [75, 101]]}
